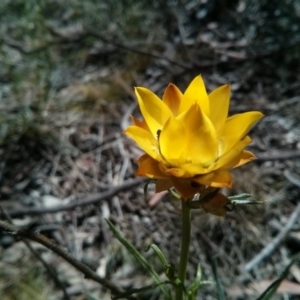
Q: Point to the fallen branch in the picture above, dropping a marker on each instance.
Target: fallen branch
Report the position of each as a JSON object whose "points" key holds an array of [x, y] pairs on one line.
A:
{"points": [[271, 247], [278, 155], [51, 271], [90, 200], [84, 269], [293, 178]]}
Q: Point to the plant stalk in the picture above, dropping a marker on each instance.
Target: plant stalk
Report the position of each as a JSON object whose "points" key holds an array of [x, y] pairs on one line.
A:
{"points": [[185, 244]]}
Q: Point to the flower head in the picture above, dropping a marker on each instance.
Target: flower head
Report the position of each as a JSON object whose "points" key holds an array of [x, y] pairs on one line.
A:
{"points": [[188, 138]]}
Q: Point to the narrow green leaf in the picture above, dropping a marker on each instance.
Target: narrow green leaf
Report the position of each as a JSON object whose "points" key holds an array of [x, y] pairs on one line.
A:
{"points": [[197, 284], [271, 290], [140, 258], [246, 201], [240, 196], [174, 193], [220, 290], [169, 268], [193, 288], [160, 254]]}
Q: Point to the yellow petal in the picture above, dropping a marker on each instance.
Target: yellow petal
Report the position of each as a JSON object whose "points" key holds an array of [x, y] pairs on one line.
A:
{"points": [[217, 178], [145, 140], [173, 171], [219, 103], [155, 112], [201, 138], [177, 172], [172, 142], [149, 167], [172, 98], [233, 153], [194, 169], [195, 93], [236, 128], [243, 158]]}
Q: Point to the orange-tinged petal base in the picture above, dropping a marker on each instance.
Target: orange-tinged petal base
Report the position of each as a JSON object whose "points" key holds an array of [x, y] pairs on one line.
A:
{"points": [[172, 98], [218, 178], [216, 205], [138, 123], [187, 188], [149, 167], [163, 185]]}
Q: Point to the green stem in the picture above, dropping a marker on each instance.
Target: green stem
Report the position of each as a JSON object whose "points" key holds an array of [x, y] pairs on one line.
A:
{"points": [[185, 243]]}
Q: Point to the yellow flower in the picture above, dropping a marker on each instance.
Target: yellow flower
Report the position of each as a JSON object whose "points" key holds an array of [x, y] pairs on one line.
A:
{"points": [[188, 139]]}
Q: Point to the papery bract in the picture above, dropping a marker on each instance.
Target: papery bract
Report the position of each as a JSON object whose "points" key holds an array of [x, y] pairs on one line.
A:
{"points": [[188, 138]]}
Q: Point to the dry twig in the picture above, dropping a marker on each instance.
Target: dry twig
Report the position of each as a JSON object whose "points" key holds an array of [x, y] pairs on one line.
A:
{"points": [[270, 248], [278, 155], [36, 254], [293, 178], [92, 199], [84, 269]]}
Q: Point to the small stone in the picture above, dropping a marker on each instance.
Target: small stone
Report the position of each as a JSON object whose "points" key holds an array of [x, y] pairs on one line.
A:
{"points": [[6, 240]]}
